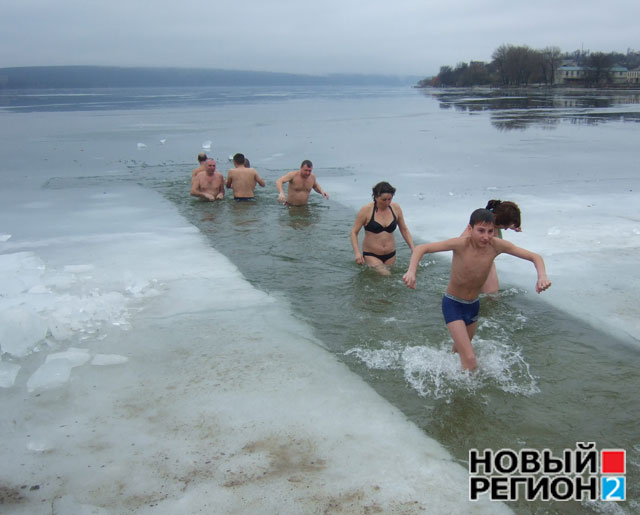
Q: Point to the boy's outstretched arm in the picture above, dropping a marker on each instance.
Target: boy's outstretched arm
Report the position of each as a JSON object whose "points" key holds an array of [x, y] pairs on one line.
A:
{"points": [[543, 282], [409, 278]]}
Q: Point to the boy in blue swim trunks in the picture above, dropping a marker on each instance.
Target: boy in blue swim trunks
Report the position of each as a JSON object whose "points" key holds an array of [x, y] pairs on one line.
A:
{"points": [[473, 255]]}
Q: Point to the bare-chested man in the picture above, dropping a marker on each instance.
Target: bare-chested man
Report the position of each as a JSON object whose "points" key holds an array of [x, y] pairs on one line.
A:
{"points": [[473, 255], [300, 184], [242, 179], [208, 184], [202, 157]]}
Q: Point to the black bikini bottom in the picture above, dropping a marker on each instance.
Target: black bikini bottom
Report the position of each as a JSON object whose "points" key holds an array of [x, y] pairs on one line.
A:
{"points": [[382, 258]]}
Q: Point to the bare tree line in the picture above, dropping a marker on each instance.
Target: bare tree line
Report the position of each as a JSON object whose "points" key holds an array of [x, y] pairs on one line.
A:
{"points": [[522, 66]]}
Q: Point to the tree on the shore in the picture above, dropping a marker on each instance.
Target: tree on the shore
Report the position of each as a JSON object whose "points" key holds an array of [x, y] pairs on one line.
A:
{"points": [[472, 74], [598, 71], [499, 57], [446, 76], [551, 57], [517, 65], [522, 66]]}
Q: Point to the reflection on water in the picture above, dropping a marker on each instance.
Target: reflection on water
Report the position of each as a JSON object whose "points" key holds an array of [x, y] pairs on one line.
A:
{"points": [[520, 109]]}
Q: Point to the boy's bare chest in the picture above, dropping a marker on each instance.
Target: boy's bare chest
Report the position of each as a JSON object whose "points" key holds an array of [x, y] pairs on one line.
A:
{"points": [[474, 263]]}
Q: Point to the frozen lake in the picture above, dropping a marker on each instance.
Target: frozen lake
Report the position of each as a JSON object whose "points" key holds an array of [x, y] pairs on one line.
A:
{"points": [[130, 309]]}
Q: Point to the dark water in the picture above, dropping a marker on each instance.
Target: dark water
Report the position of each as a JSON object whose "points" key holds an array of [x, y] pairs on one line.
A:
{"points": [[555, 382]]}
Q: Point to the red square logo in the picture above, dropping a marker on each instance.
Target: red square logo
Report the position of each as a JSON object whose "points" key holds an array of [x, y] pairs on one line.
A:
{"points": [[612, 461]]}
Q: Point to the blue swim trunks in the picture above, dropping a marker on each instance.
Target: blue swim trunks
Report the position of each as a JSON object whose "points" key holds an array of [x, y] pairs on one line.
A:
{"points": [[454, 308]]}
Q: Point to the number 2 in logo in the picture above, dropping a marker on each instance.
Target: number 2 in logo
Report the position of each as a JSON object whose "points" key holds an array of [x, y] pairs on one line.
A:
{"points": [[613, 488]]}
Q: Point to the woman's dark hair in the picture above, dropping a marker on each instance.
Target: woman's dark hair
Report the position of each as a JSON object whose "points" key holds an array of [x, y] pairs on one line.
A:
{"points": [[506, 213], [381, 188]]}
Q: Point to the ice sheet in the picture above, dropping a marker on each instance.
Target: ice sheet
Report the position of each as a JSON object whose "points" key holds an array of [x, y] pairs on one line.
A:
{"points": [[8, 374]]}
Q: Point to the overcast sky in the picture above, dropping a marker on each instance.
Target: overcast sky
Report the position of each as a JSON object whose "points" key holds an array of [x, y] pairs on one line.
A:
{"points": [[412, 37]]}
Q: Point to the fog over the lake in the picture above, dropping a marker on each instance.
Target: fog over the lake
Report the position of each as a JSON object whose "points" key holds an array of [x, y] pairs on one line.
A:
{"points": [[404, 37]]}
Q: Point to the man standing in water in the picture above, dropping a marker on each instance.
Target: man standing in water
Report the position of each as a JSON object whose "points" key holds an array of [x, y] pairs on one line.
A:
{"points": [[300, 184], [208, 184], [242, 179], [473, 255], [202, 157]]}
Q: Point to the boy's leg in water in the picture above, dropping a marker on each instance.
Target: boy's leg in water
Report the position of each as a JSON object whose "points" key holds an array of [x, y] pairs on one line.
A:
{"points": [[462, 335]]}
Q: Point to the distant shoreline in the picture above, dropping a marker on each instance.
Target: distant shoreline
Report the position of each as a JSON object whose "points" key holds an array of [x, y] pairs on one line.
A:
{"points": [[71, 77], [539, 87]]}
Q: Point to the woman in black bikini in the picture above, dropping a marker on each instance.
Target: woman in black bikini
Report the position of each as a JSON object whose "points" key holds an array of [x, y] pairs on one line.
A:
{"points": [[379, 219]]}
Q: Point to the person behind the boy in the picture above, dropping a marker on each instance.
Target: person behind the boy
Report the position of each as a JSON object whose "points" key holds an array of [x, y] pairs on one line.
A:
{"points": [[473, 255]]}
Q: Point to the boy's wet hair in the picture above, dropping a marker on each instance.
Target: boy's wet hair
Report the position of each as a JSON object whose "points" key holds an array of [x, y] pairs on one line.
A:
{"points": [[202, 157], [381, 188], [480, 216], [506, 213], [238, 159]]}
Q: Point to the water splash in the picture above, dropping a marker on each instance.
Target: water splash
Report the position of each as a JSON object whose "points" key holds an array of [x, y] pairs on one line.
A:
{"points": [[434, 370]]}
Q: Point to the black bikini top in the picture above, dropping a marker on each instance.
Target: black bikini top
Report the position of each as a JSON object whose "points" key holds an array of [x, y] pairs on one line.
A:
{"points": [[376, 228]]}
